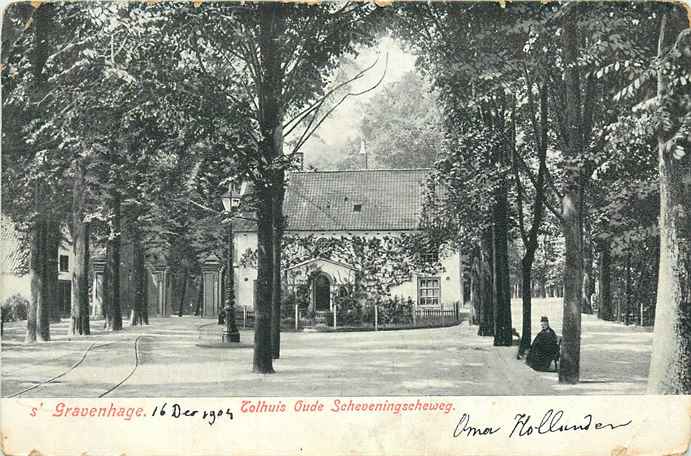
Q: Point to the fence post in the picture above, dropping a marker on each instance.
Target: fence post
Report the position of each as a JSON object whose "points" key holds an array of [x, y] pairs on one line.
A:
{"points": [[414, 317], [442, 315], [244, 316], [297, 317], [334, 317], [376, 318]]}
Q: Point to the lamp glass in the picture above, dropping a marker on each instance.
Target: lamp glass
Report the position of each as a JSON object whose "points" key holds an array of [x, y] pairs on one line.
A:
{"points": [[226, 202]]}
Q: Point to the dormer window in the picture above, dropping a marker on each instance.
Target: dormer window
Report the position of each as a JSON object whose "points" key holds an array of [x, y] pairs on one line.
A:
{"points": [[357, 207]]}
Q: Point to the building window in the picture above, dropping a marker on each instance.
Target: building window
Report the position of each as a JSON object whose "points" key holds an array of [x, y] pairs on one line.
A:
{"points": [[429, 291], [357, 207], [64, 263]]}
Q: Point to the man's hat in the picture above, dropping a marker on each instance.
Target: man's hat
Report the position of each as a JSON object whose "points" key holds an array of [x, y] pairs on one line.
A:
{"points": [[543, 318]]}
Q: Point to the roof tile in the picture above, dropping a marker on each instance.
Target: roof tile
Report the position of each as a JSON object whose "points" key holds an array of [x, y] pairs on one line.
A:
{"points": [[361, 200]]}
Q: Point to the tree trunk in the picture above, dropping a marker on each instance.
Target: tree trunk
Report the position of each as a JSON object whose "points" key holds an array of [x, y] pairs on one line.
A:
{"points": [[650, 315], [587, 307], [200, 297], [172, 287], [262, 324], [183, 285], [486, 286], [604, 311], [540, 132], [107, 290], [617, 294], [526, 336], [502, 313], [43, 308], [276, 297], [277, 209], [670, 364], [587, 273], [80, 251], [54, 237], [475, 288], [145, 293], [38, 311], [115, 323], [642, 285], [36, 271], [139, 308], [270, 89], [569, 364], [627, 288]]}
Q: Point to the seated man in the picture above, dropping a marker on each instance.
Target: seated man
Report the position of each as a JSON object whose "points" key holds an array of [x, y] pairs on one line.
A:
{"points": [[544, 349]]}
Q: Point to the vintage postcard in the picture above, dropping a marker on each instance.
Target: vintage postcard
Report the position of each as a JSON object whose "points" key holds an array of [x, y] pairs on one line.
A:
{"points": [[408, 228]]}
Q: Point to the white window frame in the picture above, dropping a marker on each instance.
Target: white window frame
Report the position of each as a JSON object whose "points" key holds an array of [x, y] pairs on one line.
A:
{"points": [[429, 291]]}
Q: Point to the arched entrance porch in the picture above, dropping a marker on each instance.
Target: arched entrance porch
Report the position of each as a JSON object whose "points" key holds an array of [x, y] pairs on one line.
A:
{"points": [[321, 292]]}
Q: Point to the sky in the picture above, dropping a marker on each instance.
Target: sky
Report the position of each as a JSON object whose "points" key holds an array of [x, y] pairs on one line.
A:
{"points": [[344, 123]]}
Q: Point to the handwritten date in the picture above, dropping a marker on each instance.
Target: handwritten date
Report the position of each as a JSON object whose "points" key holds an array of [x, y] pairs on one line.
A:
{"points": [[178, 411]]}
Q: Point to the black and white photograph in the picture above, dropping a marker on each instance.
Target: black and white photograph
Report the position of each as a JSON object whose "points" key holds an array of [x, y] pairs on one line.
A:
{"points": [[345, 199]]}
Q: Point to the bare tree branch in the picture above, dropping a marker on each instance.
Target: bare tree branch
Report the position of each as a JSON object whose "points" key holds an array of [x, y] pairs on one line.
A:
{"points": [[519, 198], [295, 121], [308, 133], [528, 171]]}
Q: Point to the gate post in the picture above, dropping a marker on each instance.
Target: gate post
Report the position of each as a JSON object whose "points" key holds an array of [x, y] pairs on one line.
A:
{"points": [[160, 275], [211, 283], [97, 291]]}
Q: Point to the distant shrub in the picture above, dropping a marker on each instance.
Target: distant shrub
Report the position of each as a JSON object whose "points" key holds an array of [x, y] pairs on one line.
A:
{"points": [[349, 304], [15, 308], [395, 311]]}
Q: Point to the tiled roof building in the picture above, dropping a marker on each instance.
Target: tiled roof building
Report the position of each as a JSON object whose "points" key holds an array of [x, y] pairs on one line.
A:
{"points": [[358, 200], [365, 204]]}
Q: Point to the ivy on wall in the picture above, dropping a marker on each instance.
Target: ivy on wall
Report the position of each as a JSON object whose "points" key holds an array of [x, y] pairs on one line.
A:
{"points": [[380, 262]]}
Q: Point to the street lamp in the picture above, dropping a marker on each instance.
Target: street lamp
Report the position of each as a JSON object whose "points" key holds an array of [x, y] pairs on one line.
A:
{"points": [[231, 201]]}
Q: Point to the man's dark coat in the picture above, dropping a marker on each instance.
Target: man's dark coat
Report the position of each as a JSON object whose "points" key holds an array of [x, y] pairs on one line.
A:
{"points": [[544, 350]]}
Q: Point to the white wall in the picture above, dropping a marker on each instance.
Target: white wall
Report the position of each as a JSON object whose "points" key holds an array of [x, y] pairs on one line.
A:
{"points": [[65, 249], [244, 277], [449, 277], [11, 284], [449, 282]]}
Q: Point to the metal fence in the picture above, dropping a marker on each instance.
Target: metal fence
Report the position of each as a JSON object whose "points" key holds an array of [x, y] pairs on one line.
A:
{"points": [[420, 318]]}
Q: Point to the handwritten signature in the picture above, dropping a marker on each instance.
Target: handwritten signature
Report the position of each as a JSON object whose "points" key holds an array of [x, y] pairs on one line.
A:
{"points": [[524, 425]]}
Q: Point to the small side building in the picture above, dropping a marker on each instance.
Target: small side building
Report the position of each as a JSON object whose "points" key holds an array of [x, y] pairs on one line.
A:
{"points": [[14, 261]]}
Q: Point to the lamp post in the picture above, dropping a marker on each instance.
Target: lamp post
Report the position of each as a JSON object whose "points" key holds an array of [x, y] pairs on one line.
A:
{"points": [[231, 201]]}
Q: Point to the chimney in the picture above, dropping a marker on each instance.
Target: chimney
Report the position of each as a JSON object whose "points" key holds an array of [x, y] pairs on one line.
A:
{"points": [[298, 161]]}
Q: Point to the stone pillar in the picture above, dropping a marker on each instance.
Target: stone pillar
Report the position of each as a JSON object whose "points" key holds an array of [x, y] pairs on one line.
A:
{"points": [[160, 277], [99, 265], [211, 282]]}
